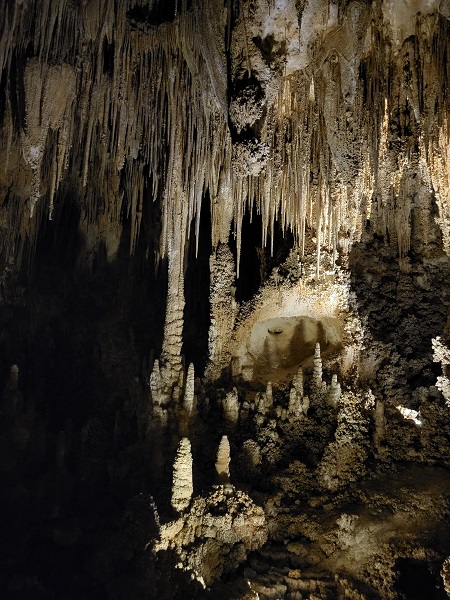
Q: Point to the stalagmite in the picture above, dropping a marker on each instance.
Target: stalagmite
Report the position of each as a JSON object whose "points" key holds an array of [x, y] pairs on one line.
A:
{"points": [[343, 459], [182, 487], [294, 402], [335, 391], [298, 382], [268, 396], [317, 385], [188, 401], [231, 407], [298, 403], [445, 574], [305, 405], [223, 459], [302, 147]]}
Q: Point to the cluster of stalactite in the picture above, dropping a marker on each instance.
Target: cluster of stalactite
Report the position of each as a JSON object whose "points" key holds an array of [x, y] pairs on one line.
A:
{"points": [[98, 91], [358, 133], [121, 105], [129, 103]]}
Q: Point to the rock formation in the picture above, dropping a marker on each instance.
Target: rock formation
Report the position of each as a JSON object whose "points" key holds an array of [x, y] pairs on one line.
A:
{"points": [[445, 575], [223, 459], [210, 542], [182, 487], [225, 249]]}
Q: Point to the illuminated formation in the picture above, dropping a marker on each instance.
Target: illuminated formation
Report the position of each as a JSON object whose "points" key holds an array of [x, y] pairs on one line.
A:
{"points": [[225, 297]]}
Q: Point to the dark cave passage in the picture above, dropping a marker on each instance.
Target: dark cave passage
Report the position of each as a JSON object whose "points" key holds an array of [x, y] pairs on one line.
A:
{"points": [[256, 261], [416, 582], [196, 291]]}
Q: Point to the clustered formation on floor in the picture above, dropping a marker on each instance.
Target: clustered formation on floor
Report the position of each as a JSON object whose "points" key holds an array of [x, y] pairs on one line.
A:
{"points": [[353, 489]]}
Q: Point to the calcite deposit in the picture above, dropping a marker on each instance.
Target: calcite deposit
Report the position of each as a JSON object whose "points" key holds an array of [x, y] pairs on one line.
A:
{"points": [[225, 299]]}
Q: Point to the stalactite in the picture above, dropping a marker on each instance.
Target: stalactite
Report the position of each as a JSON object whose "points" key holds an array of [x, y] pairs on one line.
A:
{"points": [[293, 131], [138, 113], [298, 382], [340, 137]]}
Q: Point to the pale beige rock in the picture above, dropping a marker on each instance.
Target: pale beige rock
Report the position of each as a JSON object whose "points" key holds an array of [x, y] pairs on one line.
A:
{"points": [[182, 487], [334, 116], [317, 372], [209, 542], [188, 400], [49, 97], [223, 309], [156, 384], [441, 353], [334, 392], [223, 459], [445, 574], [231, 407]]}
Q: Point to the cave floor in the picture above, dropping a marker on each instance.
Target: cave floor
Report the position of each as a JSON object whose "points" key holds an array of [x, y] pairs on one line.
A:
{"points": [[381, 538]]}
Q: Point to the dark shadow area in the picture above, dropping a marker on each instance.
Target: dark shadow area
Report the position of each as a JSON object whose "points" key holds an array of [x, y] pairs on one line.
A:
{"points": [[404, 306], [256, 262], [108, 57], [269, 48], [17, 90], [156, 13], [73, 429], [416, 582], [196, 292], [147, 298]]}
